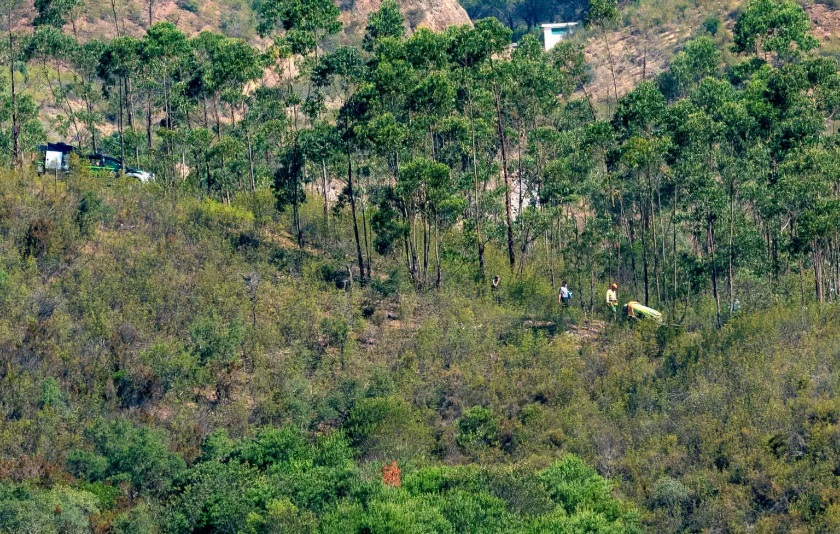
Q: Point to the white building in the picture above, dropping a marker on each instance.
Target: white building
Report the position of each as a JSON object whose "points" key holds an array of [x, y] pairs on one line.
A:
{"points": [[554, 33]]}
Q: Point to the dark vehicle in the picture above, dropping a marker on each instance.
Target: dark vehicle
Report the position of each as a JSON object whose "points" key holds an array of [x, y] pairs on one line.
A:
{"points": [[57, 160], [99, 163]]}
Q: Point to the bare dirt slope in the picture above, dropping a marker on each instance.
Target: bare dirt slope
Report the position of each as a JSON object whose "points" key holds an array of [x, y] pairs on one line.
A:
{"points": [[104, 19], [635, 56], [437, 15], [825, 21], [641, 50]]}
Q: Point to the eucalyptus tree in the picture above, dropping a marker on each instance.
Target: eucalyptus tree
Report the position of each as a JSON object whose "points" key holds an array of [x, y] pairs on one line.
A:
{"points": [[263, 130], [603, 16], [52, 51], [697, 60], [118, 65], [85, 85], [470, 50], [162, 52], [54, 12], [479, 49], [222, 66], [425, 186], [297, 28], [806, 191], [780, 27], [351, 123], [13, 12], [319, 145], [386, 22], [345, 70], [637, 120]]}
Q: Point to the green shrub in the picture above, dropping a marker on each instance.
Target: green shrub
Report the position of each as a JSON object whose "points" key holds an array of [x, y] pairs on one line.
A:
{"points": [[274, 446], [387, 428], [478, 429], [335, 330], [215, 340], [218, 497], [140, 519], [260, 204], [189, 5], [711, 25], [51, 394], [59, 510], [106, 493], [217, 216], [136, 455], [87, 465], [281, 517], [670, 494], [577, 486], [90, 212], [216, 446]]}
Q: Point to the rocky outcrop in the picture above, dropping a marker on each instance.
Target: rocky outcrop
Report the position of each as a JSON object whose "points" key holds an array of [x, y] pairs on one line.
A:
{"points": [[96, 19]]}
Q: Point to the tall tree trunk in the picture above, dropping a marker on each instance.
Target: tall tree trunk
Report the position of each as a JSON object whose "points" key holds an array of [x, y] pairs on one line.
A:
{"points": [[674, 230], [130, 117], [218, 117], [367, 241], [652, 208], [710, 237], [251, 173], [508, 210], [352, 196], [116, 18], [15, 125], [519, 171], [296, 202], [122, 132], [425, 251], [611, 63], [476, 202], [437, 254], [645, 229], [818, 272], [326, 200], [149, 122], [731, 250]]}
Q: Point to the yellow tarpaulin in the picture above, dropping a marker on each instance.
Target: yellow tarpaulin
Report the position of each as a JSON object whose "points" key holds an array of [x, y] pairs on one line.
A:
{"points": [[642, 312]]}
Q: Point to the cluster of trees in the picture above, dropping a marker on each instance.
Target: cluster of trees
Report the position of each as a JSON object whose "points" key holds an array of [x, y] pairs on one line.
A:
{"points": [[173, 361], [525, 15], [160, 350], [280, 481], [445, 143]]}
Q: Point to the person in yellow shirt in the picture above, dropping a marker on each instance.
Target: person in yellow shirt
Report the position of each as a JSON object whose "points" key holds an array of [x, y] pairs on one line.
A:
{"points": [[612, 300]]}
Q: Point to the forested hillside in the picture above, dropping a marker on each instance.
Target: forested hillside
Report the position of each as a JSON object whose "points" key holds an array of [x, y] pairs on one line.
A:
{"points": [[334, 307]]}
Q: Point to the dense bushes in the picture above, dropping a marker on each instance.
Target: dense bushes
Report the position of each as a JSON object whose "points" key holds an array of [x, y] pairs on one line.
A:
{"points": [[59, 510], [124, 453], [283, 482], [148, 385]]}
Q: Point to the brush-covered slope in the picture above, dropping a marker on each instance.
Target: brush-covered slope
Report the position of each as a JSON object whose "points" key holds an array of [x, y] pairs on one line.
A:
{"points": [[96, 18]]}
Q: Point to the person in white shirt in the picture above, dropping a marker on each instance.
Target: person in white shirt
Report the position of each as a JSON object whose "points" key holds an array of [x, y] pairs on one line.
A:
{"points": [[612, 299], [565, 295]]}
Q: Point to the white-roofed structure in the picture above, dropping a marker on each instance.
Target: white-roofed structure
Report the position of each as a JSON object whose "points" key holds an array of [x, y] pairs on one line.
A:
{"points": [[554, 33]]}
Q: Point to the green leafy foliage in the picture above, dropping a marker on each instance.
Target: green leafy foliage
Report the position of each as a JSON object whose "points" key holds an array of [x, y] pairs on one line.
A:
{"points": [[220, 349], [57, 510], [770, 26], [125, 453]]}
